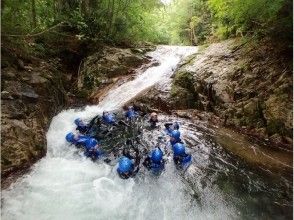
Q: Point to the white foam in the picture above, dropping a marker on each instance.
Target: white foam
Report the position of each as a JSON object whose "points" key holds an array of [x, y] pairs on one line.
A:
{"points": [[65, 185]]}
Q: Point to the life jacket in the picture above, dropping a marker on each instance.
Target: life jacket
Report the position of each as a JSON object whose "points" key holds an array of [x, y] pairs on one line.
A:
{"points": [[82, 128], [173, 142], [183, 161], [81, 141], [128, 174], [93, 153], [157, 168]]}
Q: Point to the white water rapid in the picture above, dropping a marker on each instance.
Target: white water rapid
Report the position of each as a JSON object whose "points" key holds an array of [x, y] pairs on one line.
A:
{"points": [[67, 186]]}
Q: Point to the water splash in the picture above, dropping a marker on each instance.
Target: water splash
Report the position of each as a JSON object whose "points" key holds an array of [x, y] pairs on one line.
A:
{"points": [[65, 185]]}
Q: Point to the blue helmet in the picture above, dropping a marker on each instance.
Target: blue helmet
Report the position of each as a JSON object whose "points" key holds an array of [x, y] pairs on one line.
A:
{"points": [[91, 142], [70, 137], [77, 121], [179, 149], [109, 118], [175, 134], [124, 165], [156, 155]]}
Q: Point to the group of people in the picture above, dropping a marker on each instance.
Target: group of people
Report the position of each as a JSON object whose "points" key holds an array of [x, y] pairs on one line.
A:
{"points": [[89, 136]]}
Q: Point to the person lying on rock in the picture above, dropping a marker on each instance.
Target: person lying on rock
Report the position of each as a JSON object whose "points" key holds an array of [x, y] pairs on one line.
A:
{"points": [[155, 162], [153, 120], [181, 159]]}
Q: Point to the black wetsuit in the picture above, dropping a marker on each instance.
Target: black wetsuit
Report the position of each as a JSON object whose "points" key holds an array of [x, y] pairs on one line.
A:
{"points": [[135, 167], [153, 122]]}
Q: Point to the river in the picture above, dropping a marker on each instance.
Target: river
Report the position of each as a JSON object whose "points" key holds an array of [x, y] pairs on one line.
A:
{"points": [[218, 185]]}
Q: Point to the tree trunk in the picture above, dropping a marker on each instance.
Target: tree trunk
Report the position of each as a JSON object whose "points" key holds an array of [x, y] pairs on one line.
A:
{"points": [[34, 16], [111, 10], [2, 4]]}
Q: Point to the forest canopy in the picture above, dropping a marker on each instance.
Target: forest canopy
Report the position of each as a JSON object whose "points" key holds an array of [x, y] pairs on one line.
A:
{"points": [[183, 22]]}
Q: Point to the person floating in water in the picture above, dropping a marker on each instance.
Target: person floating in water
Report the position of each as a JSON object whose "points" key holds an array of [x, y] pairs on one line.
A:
{"points": [[108, 118], [169, 127], [90, 145], [155, 161], [81, 126], [92, 149], [153, 120], [175, 137], [181, 159], [128, 165], [131, 113], [76, 139]]}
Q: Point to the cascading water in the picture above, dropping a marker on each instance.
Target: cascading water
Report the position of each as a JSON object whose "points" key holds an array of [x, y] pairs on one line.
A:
{"points": [[66, 185]]}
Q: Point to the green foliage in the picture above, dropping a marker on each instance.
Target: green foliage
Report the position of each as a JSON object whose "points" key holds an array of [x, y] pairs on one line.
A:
{"points": [[183, 22], [239, 17]]}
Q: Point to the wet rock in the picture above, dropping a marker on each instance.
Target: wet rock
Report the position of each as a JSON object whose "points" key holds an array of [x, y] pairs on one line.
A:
{"points": [[26, 107], [242, 89], [37, 79], [6, 95], [137, 50], [276, 138], [278, 108], [30, 94], [98, 69], [8, 74]]}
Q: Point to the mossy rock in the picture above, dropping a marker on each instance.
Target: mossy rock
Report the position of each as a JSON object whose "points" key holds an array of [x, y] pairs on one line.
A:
{"points": [[275, 126], [183, 98], [185, 80]]}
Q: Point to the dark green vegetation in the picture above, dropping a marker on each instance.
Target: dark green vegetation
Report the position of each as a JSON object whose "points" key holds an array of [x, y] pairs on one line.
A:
{"points": [[189, 22]]}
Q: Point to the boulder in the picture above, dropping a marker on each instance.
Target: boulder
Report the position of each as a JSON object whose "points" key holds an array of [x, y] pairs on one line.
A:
{"points": [[97, 70]]}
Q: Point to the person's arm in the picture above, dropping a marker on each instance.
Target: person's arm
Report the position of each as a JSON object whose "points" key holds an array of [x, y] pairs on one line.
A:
{"points": [[94, 121], [167, 125]]}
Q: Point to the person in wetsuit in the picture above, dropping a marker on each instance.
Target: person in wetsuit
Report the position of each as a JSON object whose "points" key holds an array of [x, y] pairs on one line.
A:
{"points": [[155, 162], [81, 126], [92, 149], [76, 139], [153, 120], [175, 137], [128, 165], [181, 158], [131, 113], [169, 127]]}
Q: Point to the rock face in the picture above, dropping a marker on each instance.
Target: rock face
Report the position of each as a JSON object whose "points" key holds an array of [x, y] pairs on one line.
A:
{"points": [[247, 89], [29, 99], [102, 68]]}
